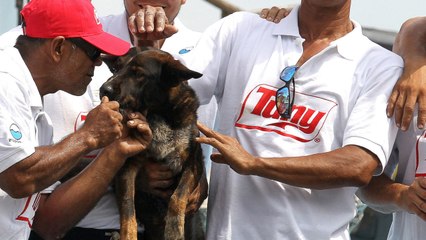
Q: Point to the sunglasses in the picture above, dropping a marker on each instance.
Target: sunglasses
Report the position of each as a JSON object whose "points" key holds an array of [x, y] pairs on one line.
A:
{"points": [[91, 51], [284, 97]]}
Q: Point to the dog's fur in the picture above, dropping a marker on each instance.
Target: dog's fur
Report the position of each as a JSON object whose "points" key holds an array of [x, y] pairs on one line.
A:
{"points": [[152, 82]]}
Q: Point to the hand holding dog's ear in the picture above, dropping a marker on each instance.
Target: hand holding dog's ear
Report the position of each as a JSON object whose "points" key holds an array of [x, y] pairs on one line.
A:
{"points": [[102, 125], [130, 145]]}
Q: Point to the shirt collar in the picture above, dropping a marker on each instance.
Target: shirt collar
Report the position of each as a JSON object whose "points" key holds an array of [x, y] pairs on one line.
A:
{"points": [[289, 27]]}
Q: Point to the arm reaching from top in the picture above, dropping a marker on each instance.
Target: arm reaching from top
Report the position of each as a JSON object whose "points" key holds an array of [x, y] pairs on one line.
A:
{"points": [[410, 89]]}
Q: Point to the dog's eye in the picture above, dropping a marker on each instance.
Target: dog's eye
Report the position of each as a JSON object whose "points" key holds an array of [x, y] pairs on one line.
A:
{"points": [[114, 70]]}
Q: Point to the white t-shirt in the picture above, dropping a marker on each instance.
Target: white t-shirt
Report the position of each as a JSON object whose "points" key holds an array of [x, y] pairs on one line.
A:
{"points": [[340, 100], [23, 126], [409, 154]]}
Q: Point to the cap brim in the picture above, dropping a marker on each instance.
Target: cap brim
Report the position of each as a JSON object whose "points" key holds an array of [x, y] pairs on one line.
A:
{"points": [[108, 44]]}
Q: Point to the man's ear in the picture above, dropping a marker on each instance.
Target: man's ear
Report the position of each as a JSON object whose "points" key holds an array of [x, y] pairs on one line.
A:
{"points": [[57, 48]]}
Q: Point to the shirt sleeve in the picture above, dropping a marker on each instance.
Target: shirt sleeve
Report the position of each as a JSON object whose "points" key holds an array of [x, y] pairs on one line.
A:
{"points": [[368, 125], [17, 127]]}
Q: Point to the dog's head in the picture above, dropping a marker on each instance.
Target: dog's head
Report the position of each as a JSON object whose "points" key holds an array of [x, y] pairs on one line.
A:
{"points": [[145, 79]]}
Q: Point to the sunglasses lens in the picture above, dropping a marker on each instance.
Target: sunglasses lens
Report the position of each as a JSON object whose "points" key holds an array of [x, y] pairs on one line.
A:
{"points": [[288, 73], [95, 55], [283, 102], [91, 51], [284, 97]]}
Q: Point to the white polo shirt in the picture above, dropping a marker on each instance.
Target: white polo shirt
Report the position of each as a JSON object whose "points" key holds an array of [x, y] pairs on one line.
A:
{"points": [[340, 100], [409, 155], [23, 126]]}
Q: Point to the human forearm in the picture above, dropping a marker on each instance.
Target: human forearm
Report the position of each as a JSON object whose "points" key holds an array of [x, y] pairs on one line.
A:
{"points": [[44, 167], [382, 194], [410, 89], [347, 166], [48, 164], [411, 39], [76, 197]]}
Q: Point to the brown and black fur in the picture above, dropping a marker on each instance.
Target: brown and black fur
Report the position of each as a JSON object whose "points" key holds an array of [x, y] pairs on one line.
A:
{"points": [[152, 82]]}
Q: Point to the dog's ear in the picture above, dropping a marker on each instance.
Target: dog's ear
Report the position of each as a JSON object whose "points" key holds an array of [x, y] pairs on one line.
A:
{"points": [[111, 62], [115, 63], [176, 72]]}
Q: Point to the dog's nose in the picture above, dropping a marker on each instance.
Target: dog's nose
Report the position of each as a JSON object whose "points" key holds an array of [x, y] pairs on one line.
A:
{"points": [[106, 90]]}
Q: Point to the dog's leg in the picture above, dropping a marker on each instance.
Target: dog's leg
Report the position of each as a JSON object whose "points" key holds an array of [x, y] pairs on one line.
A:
{"points": [[175, 219], [125, 191]]}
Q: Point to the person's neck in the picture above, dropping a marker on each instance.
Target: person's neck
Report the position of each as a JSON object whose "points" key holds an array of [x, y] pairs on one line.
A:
{"points": [[324, 23], [319, 26]]}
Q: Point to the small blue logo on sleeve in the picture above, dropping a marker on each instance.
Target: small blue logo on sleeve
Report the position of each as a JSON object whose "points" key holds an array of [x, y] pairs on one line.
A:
{"points": [[15, 131], [185, 50]]}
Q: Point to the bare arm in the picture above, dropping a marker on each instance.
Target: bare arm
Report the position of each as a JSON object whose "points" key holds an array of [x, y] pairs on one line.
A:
{"points": [[410, 44], [72, 200], [388, 196], [50, 163], [347, 166]]}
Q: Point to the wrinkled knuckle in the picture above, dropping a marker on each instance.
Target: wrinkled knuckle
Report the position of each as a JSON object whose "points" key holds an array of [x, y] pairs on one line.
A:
{"points": [[409, 109]]}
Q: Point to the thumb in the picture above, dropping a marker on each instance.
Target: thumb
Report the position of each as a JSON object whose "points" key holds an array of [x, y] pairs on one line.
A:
{"points": [[217, 158], [104, 99]]}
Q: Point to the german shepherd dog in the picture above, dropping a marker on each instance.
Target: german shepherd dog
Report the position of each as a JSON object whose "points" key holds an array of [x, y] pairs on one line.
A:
{"points": [[152, 82]]}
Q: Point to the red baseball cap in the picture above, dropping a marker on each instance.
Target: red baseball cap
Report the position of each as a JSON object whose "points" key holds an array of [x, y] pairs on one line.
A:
{"points": [[70, 19]]}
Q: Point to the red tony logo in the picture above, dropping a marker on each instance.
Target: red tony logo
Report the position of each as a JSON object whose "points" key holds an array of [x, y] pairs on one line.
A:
{"points": [[259, 112]]}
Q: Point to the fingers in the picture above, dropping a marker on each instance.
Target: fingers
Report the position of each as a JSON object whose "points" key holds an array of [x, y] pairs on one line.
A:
{"points": [[391, 102], [140, 21], [207, 131], [282, 13], [409, 90], [398, 108], [419, 187], [113, 105], [169, 30], [138, 121], [217, 158], [160, 21], [274, 14], [211, 138], [104, 99], [131, 24], [157, 179], [407, 112], [421, 118], [150, 24]]}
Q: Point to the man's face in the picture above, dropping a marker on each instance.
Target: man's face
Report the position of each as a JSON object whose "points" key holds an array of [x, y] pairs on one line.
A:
{"points": [[171, 7], [77, 70]]}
